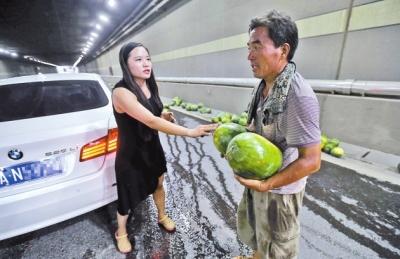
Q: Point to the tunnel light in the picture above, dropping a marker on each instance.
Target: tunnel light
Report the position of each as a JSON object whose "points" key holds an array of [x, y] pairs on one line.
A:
{"points": [[104, 18], [12, 54], [112, 3], [98, 27], [94, 34]]}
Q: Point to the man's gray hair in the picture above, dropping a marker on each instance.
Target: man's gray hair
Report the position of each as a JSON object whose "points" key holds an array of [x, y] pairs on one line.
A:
{"points": [[281, 29]]}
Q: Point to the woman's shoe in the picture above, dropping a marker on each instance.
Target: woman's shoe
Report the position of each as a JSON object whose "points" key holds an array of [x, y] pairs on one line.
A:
{"points": [[123, 243], [167, 224]]}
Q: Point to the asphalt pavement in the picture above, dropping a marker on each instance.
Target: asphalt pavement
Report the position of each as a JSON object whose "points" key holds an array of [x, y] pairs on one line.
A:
{"points": [[345, 215]]}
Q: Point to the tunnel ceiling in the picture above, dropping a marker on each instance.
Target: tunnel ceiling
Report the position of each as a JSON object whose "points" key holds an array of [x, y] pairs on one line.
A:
{"points": [[57, 31]]}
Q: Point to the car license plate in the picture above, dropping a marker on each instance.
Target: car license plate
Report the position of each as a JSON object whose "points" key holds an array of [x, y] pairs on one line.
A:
{"points": [[30, 171]]}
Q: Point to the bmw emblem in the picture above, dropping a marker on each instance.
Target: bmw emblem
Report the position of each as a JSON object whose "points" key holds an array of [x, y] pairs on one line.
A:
{"points": [[15, 154]]}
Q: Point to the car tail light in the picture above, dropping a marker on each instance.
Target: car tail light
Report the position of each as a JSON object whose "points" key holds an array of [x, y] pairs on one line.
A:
{"points": [[112, 140], [101, 146]]}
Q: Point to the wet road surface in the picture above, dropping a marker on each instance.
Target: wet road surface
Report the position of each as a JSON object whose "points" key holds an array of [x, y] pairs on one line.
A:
{"points": [[345, 215]]}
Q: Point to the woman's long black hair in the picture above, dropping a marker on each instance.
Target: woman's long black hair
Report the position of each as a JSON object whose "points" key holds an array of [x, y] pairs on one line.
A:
{"points": [[129, 80]]}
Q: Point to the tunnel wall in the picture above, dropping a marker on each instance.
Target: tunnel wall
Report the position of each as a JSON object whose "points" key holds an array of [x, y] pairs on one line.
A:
{"points": [[207, 38]]}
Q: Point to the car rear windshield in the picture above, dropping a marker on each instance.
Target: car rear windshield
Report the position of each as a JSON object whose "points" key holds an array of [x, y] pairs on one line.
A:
{"points": [[37, 99]]}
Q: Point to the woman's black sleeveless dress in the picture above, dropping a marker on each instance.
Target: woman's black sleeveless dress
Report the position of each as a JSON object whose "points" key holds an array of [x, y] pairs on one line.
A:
{"points": [[139, 160]]}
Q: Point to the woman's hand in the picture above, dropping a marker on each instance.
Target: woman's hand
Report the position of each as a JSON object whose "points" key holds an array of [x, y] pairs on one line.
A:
{"points": [[169, 116], [202, 130]]}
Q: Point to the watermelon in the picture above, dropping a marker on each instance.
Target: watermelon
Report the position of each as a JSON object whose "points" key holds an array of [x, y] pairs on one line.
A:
{"points": [[334, 142], [243, 121], [327, 148], [224, 133], [337, 151], [324, 141], [235, 118], [225, 120], [215, 119], [253, 156], [177, 100]]}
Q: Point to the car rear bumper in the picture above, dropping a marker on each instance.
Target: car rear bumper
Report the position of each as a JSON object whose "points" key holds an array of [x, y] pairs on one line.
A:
{"points": [[25, 212]]}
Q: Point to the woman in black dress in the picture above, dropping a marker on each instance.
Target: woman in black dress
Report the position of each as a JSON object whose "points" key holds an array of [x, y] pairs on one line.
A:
{"points": [[140, 161]]}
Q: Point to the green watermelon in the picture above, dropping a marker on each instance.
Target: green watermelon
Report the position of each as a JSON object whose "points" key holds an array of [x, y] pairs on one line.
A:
{"points": [[215, 119], [253, 156], [235, 118], [205, 110], [243, 121], [177, 100], [337, 151], [327, 148], [225, 120], [324, 141], [334, 142], [224, 133]]}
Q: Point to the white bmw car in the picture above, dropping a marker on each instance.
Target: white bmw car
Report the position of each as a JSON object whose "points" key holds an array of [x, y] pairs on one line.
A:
{"points": [[58, 138]]}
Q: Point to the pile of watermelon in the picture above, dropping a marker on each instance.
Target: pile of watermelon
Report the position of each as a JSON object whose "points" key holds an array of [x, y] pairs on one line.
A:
{"points": [[179, 102], [331, 146], [226, 117], [248, 154]]}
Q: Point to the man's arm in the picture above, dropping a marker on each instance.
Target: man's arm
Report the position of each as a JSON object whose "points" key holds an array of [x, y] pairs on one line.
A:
{"points": [[308, 162]]}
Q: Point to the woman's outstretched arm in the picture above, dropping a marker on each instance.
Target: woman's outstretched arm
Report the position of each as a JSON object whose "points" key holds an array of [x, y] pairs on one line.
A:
{"points": [[125, 101]]}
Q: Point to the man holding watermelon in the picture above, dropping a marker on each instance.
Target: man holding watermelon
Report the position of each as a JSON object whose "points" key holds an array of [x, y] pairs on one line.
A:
{"points": [[284, 110]]}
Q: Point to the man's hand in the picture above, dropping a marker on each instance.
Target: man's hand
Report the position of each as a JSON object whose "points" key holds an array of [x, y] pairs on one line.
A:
{"points": [[256, 185]]}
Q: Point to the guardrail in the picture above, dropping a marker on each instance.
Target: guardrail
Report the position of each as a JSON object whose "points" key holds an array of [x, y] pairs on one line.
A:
{"points": [[389, 89], [348, 87]]}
